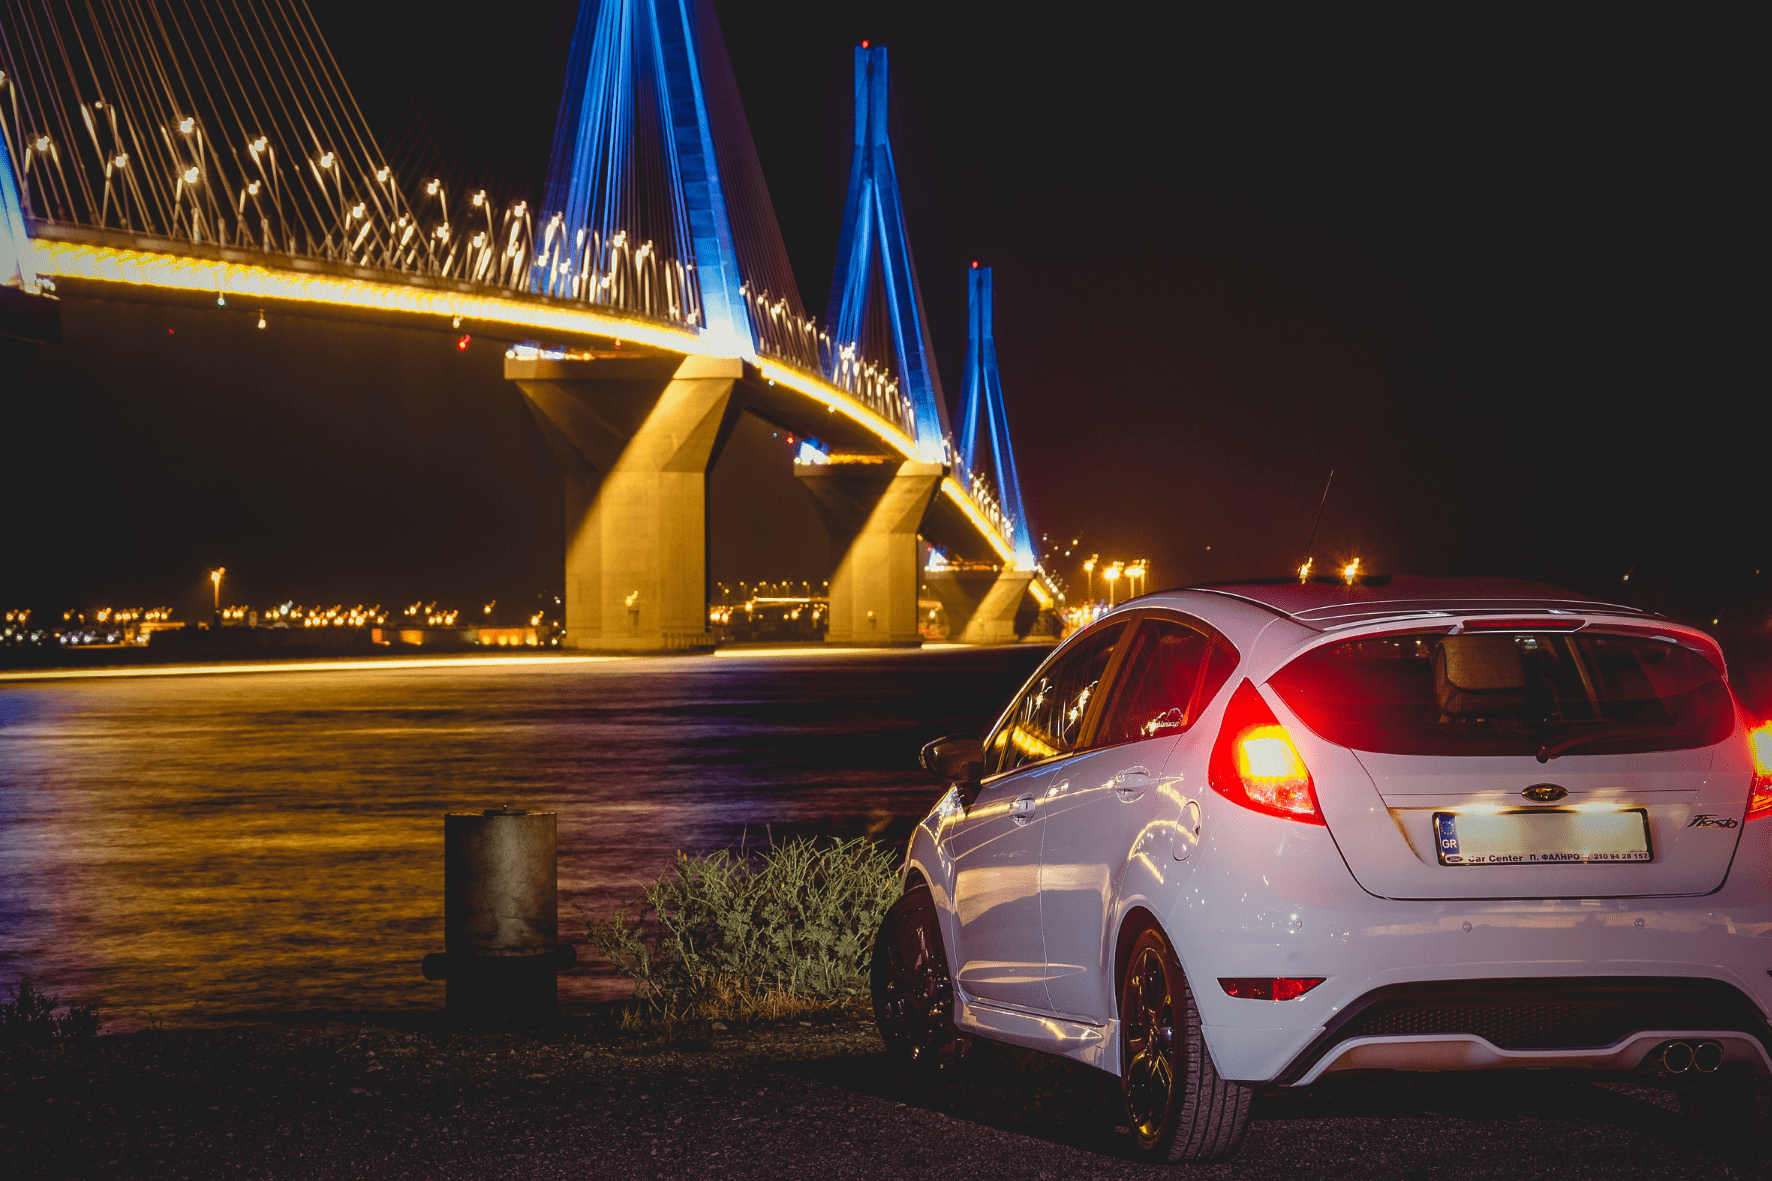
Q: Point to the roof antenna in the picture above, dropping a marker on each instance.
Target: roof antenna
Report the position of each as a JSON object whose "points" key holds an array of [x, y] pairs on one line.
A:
{"points": [[1304, 571]]}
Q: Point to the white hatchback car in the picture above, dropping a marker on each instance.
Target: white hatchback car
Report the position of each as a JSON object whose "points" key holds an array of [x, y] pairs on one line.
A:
{"points": [[1246, 836]]}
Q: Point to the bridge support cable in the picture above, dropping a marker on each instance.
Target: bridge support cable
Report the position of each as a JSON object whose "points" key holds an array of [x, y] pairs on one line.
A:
{"points": [[652, 139], [983, 398], [206, 124], [213, 127], [874, 264]]}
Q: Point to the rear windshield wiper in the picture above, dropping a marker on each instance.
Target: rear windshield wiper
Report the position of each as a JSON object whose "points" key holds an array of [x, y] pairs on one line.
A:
{"points": [[1551, 750]]}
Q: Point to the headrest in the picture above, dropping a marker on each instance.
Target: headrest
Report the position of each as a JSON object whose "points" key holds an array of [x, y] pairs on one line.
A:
{"points": [[1479, 676], [1482, 662]]}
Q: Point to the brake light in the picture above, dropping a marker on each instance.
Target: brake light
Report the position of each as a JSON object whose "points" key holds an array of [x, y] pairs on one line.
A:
{"points": [[1269, 988], [1759, 742], [1522, 625], [1255, 764]]}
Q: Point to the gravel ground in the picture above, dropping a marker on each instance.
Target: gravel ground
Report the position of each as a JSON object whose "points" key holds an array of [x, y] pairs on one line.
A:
{"points": [[397, 1097]]}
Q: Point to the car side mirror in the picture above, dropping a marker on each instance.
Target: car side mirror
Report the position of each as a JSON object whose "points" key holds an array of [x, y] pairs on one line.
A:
{"points": [[957, 760]]}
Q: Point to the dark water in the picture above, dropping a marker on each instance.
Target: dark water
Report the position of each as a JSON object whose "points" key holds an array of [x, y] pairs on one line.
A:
{"points": [[183, 848]]}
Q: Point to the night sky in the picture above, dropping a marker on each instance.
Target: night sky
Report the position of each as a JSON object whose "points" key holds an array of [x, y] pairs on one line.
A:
{"points": [[1488, 268]]}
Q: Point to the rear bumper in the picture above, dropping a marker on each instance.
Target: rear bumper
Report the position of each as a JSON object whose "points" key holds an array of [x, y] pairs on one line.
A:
{"points": [[1709, 956], [1464, 1052], [1593, 1023]]}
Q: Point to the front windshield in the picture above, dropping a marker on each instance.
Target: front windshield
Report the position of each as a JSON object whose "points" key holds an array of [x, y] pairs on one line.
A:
{"points": [[1487, 693]]}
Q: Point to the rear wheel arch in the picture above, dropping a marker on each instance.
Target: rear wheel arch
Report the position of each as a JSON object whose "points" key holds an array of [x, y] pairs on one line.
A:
{"points": [[1132, 925]]}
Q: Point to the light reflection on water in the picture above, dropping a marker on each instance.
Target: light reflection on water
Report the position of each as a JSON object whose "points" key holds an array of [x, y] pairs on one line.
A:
{"points": [[274, 842]]}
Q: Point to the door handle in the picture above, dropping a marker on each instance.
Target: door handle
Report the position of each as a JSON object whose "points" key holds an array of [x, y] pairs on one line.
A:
{"points": [[1022, 810], [1131, 783]]}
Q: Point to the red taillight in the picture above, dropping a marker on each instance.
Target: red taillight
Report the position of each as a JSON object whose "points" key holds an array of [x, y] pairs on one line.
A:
{"points": [[1759, 743], [1255, 764], [1269, 988], [1522, 625]]}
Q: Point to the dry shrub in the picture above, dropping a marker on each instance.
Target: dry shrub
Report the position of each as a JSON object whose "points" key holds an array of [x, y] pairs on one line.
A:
{"points": [[30, 1017], [730, 937]]}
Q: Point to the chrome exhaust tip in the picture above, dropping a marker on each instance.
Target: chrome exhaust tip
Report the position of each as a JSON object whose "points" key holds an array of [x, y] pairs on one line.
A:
{"points": [[1677, 1058], [1707, 1057]]}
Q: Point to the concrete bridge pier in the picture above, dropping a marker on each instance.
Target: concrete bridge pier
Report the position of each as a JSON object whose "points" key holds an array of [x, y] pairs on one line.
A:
{"points": [[873, 510], [981, 605], [634, 438]]}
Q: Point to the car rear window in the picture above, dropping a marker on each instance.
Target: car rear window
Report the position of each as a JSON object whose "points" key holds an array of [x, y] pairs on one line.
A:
{"points": [[1488, 693]]}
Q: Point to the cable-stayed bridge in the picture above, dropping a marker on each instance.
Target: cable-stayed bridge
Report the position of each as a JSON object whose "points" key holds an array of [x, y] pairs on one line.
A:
{"points": [[212, 148]]}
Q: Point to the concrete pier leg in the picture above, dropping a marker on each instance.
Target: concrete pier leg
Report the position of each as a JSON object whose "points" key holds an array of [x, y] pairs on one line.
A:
{"points": [[634, 437], [993, 620], [873, 511]]}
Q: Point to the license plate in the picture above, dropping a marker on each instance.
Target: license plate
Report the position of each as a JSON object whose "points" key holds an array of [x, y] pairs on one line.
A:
{"points": [[1542, 837]]}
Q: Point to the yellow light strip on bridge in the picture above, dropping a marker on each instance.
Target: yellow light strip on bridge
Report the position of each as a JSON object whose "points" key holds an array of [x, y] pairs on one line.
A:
{"points": [[840, 401], [955, 493], [900, 442], [141, 268]]}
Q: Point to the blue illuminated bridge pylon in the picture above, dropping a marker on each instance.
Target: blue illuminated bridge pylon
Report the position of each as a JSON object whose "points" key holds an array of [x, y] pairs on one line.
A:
{"points": [[15, 257], [874, 264], [654, 177], [984, 399]]}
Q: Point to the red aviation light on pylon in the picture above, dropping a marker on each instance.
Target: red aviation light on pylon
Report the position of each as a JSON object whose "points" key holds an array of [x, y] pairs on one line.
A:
{"points": [[1255, 764]]}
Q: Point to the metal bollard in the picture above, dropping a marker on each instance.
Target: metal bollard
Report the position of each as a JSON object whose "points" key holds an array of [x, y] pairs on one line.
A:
{"points": [[500, 920]]}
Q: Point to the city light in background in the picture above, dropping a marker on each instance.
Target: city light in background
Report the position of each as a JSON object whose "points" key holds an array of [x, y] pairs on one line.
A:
{"points": [[239, 625]]}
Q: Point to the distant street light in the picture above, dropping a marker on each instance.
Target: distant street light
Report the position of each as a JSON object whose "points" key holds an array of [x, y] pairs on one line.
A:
{"points": [[1089, 570], [1112, 575], [215, 577]]}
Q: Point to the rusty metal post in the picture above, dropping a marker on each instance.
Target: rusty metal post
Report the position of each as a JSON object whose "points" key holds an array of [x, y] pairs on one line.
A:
{"points": [[500, 919]]}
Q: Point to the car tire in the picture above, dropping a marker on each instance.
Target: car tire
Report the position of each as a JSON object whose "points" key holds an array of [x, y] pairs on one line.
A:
{"points": [[1732, 1111], [1177, 1106], [912, 989]]}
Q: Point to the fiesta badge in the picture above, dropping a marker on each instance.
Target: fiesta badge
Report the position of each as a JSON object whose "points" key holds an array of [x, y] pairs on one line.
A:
{"points": [[1545, 793]]}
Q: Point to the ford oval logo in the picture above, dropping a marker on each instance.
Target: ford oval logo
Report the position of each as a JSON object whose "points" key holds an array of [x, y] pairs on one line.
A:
{"points": [[1545, 793]]}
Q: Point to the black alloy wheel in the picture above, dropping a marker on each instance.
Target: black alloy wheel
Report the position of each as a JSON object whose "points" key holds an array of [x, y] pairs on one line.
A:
{"points": [[1176, 1104], [913, 992]]}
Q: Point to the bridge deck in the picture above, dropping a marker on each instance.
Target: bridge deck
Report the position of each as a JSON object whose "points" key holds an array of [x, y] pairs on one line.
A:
{"points": [[782, 394]]}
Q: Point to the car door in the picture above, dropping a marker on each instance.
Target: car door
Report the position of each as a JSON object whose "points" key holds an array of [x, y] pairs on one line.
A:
{"points": [[999, 956], [1112, 803]]}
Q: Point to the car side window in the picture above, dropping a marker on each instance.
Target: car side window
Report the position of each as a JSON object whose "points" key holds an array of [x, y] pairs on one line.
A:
{"points": [[1219, 667], [1048, 718], [1156, 692]]}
